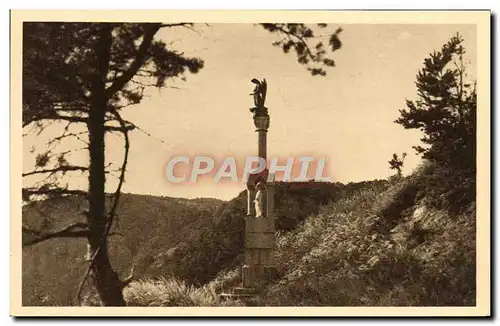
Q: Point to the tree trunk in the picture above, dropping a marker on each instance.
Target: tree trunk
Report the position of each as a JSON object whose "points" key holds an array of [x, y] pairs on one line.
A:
{"points": [[106, 280]]}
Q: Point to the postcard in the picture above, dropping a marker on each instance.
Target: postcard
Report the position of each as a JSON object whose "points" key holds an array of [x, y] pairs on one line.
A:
{"points": [[250, 163]]}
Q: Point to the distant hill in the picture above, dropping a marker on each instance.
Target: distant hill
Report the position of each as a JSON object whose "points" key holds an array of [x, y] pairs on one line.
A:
{"points": [[146, 226], [191, 239]]}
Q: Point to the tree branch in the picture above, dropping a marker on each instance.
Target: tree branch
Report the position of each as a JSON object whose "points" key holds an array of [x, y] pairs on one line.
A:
{"points": [[121, 81], [65, 135], [289, 35], [55, 117], [67, 232], [59, 169], [176, 25], [120, 129], [52, 191], [129, 278], [87, 272]]}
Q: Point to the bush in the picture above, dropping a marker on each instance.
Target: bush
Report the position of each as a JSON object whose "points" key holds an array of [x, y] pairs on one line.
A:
{"points": [[448, 188], [167, 292]]}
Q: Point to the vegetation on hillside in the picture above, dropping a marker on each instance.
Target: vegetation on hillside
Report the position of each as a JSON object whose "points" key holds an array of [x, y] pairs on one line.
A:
{"points": [[381, 245], [445, 113], [409, 241], [147, 226], [220, 245], [191, 240]]}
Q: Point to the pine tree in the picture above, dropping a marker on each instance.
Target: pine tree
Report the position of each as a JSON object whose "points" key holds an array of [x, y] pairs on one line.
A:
{"points": [[446, 108], [445, 112]]}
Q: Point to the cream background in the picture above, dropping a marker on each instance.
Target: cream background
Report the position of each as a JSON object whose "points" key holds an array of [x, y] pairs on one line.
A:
{"points": [[294, 123]]}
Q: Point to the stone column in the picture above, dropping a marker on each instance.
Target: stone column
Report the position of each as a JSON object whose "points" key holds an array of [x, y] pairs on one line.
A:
{"points": [[262, 143], [260, 241]]}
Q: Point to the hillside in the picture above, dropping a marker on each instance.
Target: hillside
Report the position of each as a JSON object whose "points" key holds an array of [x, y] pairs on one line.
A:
{"points": [[378, 243], [219, 246], [382, 244], [146, 226], [192, 240]]}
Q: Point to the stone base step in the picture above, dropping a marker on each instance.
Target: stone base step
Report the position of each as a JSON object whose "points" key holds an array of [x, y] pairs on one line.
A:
{"points": [[239, 293], [236, 296], [243, 290]]}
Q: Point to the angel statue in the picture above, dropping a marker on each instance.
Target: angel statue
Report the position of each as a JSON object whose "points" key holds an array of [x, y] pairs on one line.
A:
{"points": [[259, 97]]}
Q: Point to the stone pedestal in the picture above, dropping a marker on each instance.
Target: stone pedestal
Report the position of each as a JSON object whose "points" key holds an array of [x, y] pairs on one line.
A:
{"points": [[260, 243]]}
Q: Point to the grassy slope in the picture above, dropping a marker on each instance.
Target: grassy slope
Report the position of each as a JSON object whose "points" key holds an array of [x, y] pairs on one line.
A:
{"points": [[381, 245], [374, 243], [191, 239], [219, 246]]}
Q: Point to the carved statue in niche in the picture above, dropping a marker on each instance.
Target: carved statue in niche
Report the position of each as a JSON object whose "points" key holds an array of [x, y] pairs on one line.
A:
{"points": [[259, 200]]}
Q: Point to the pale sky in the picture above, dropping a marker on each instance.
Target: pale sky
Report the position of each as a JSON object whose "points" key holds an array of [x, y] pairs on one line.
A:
{"points": [[346, 117]]}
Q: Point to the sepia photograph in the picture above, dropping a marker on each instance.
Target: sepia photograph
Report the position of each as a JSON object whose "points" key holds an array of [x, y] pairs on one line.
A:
{"points": [[268, 162]]}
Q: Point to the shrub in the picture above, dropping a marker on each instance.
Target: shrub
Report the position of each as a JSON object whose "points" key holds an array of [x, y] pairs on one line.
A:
{"points": [[166, 292]]}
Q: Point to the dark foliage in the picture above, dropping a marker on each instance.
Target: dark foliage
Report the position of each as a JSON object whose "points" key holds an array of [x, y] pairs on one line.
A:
{"points": [[298, 36], [396, 163], [445, 112]]}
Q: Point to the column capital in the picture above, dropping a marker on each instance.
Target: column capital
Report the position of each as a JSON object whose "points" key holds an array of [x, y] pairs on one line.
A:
{"points": [[261, 122]]}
